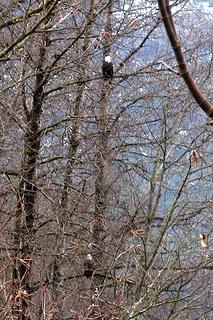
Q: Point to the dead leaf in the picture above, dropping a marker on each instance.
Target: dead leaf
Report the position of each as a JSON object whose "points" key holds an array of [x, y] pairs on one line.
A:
{"points": [[195, 158], [210, 123], [202, 240]]}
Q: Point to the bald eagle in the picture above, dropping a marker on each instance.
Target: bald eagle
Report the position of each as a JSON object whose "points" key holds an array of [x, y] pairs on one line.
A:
{"points": [[88, 266], [107, 68]]}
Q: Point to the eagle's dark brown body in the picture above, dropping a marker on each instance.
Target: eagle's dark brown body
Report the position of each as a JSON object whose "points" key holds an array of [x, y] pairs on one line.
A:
{"points": [[107, 68], [88, 266]]}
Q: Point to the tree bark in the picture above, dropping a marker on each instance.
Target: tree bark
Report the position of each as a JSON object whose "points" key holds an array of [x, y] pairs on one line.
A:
{"points": [[101, 162], [26, 195]]}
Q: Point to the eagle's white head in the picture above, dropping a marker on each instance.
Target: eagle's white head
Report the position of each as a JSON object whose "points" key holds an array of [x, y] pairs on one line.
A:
{"points": [[89, 257], [108, 59]]}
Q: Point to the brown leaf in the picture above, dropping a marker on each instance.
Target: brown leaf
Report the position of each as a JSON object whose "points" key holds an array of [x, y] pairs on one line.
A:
{"points": [[210, 123], [203, 244], [195, 158], [202, 236], [202, 240]]}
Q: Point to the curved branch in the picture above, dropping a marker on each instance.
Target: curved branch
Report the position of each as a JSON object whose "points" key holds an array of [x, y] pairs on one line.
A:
{"points": [[176, 46]]}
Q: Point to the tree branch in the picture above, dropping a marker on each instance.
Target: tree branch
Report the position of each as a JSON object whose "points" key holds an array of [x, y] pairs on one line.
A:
{"points": [[176, 46]]}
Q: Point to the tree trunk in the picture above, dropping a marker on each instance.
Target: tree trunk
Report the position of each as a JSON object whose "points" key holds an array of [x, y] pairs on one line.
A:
{"points": [[26, 195], [98, 229]]}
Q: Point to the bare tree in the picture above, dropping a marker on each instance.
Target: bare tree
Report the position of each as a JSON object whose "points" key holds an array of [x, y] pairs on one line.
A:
{"points": [[106, 182]]}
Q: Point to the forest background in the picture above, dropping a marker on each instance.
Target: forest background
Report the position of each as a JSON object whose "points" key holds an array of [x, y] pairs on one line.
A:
{"points": [[106, 194]]}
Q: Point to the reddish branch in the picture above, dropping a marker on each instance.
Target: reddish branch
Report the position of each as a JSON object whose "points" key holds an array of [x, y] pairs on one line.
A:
{"points": [[176, 46]]}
